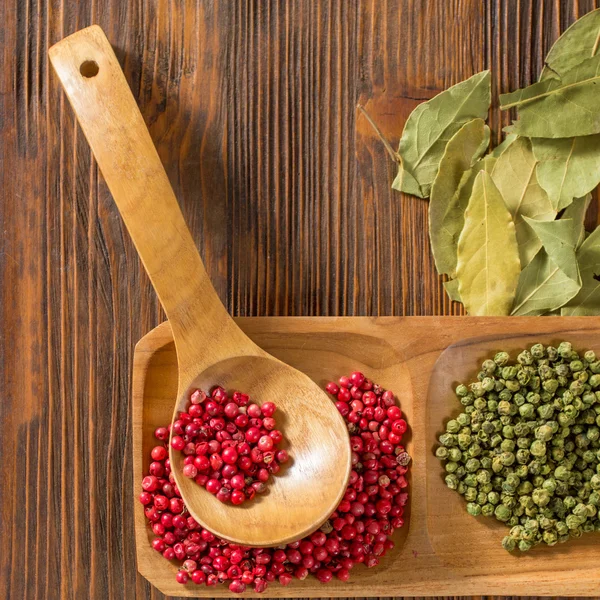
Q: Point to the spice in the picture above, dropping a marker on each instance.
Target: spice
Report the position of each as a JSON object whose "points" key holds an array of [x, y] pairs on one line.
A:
{"points": [[548, 162], [358, 531], [526, 449], [230, 444]]}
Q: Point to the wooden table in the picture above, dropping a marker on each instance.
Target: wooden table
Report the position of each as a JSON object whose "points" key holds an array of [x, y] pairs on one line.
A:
{"points": [[285, 188]]}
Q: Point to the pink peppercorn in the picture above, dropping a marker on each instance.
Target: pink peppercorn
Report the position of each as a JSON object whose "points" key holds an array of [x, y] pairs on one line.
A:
{"points": [[371, 509]]}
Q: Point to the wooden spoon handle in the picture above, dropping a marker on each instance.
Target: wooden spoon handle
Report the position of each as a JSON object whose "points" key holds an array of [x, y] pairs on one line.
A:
{"points": [[112, 123]]}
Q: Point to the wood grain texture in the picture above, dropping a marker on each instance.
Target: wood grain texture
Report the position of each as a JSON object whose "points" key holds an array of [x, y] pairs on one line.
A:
{"points": [[440, 549], [287, 193]]}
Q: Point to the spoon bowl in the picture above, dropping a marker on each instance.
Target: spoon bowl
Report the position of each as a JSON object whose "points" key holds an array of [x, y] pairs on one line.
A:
{"points": [[298, 499], [211, 349]]}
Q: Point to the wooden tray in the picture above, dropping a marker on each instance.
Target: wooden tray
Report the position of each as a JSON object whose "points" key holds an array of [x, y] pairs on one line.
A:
{"points": [[441, 550]]}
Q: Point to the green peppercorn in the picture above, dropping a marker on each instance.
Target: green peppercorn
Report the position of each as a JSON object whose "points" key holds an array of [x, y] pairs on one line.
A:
{"points": [[573, 522], [470, 480], [550, 538], [545, 411], [472, 465], [508, 431], [473, 509], [562, 473], [463, 419], [576, 365], [486, 488], [564, 349], [501, 358], [526, 447], [544, 433], [588, 473], [588, 527], [451, 481], [521, 471], [525, 545], [502, 512], [442, 452], [470, 493], [507, 445], [512, 385], [538, 448], [453, 426]]}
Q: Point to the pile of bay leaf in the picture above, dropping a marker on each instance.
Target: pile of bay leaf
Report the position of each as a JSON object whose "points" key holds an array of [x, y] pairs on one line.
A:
{"points": [[507, 225]]}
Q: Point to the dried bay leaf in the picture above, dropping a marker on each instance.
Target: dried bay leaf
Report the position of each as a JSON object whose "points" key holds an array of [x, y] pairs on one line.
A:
{"points": [[487, 164], [447, 204], [488, 264], [500, 148], [431, 125], [405, 182], [577, 212], [526, 94], [556, 108], [587, 301], [559, 241], [568, 167], [463, 194], [579, 42], [451, 288], [543, 285], [515, 177]]}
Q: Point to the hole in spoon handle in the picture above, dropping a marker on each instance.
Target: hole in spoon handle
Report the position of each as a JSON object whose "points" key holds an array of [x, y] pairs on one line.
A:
{"points": [[89, 68], [111, 121]]}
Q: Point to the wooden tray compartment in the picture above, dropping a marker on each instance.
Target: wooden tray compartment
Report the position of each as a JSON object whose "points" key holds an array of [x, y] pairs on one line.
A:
{"points": [[420, 359], [480, 550]]}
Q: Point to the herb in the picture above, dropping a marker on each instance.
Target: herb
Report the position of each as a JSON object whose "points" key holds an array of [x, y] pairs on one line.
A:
{"points": [[451, 288], [488, 264], [448, 198], [555, 108], [552, 278], [500, 148], [542, 288], [515, 177], [559, 239], [578, 43], [577, 211], [568, 168], [536, 187], [526, 448], [588, 299], [431, 125]]}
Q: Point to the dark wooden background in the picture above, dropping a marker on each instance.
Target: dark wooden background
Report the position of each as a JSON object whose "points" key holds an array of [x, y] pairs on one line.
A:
{"points": [[285, 188]]}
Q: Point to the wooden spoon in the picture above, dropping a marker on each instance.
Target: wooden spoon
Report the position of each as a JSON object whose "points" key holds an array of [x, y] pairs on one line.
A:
{"points": [[211, 349]]}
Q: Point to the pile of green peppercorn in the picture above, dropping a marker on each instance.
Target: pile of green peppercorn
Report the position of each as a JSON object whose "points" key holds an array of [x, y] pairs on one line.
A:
{"points": [[526, 449]]}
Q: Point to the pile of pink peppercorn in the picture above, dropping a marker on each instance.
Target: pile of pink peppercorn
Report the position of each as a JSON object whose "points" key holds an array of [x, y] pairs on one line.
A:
{"points": [[358, 531], [230, 444]]}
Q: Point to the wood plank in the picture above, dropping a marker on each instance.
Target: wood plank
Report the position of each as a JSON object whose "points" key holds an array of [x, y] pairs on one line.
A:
{"points": [[252, 107]]}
